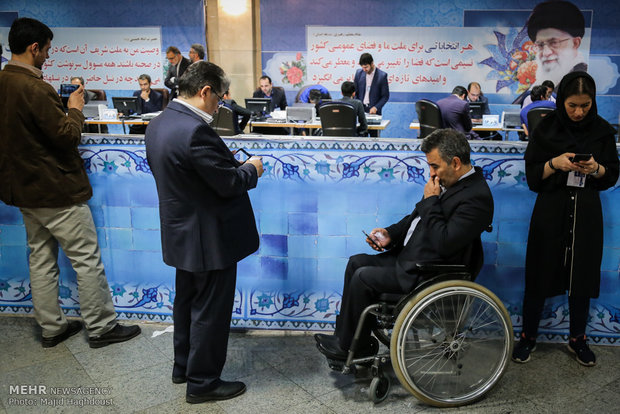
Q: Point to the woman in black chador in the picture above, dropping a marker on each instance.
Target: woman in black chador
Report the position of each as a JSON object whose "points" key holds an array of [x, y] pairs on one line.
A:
{"points": [[571, 156]]}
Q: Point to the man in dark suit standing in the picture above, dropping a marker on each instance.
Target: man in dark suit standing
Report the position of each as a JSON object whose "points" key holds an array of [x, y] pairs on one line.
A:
{"points": [[371, 86], [207, 226], [456, 208], [455, 112], [178, 65]]}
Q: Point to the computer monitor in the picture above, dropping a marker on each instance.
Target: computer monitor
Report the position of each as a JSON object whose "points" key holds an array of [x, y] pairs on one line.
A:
{"points": [[476, 110], [258, 106], [127, 105]]}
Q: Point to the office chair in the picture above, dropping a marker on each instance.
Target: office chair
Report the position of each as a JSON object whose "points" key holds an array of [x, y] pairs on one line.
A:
{"points": [[99, 94], [338, 119], [224, 122], [429, 117], [534, 116], [165, 96]]}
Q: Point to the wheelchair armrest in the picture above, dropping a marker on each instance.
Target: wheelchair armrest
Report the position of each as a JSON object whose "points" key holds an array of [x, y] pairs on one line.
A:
{"points": [[440, 268]]}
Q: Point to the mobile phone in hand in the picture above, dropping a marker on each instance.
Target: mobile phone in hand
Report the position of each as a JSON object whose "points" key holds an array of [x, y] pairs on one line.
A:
{"points": [[372, 241], [242, 155], [67, 89], [580, 157]]}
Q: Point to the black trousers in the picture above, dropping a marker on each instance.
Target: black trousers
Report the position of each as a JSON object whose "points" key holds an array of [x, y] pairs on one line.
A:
{"points": [[202, 313], [365, 278], [578, 307]]}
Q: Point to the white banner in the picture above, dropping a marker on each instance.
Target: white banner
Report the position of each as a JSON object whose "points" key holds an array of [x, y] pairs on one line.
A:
{"points": [[427, 59], [107, 58]]}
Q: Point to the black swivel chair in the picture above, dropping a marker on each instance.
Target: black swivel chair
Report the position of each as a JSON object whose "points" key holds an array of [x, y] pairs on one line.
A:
{"points": [[429, 117], [534, 116], [338, 119], [224, 122]]}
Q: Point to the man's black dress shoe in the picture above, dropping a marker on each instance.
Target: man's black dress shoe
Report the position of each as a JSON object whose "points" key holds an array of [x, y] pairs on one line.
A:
{"points": [[179, 380], [329, 345], [223, 391], [120, 333], [72, 328]]}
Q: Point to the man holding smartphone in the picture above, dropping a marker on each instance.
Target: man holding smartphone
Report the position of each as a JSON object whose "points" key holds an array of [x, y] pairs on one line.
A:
{"points": [[456, 208], [42, 173], [207, 226]]}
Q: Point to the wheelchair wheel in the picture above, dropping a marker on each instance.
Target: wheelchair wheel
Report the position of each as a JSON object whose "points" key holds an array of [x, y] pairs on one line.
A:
{"points": [[383, 335], [379, 389], [451, 343]]}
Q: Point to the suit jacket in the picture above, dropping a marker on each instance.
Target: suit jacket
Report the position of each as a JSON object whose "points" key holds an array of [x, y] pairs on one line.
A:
{"points": [[154, 104], [207, 222], [379, 90], [172, 80], [455, 113], [362, 129], [278, 97], [449, 224], [40, 165]]}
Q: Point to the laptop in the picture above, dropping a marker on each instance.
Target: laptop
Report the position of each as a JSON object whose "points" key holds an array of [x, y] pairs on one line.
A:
{"points": [[511, 117], [91, 109]]}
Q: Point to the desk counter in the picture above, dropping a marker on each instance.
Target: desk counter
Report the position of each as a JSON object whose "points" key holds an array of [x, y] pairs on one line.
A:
{"points": [[311, 205]]}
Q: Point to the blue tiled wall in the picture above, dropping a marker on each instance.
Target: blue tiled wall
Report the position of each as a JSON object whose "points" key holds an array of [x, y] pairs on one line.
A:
{"points": [[311, 206]]}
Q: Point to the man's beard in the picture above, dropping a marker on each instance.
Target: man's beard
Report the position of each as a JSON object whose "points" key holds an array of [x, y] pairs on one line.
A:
{"points": [[556, 71]]}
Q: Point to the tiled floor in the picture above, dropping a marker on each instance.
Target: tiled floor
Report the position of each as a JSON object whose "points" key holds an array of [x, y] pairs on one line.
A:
{"points": [[283, 371]]}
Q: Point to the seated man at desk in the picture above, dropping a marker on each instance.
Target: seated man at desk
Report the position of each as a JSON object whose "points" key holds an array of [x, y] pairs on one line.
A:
{"points": [[241, 115], [348, 96], [304, 93], [148, 101], [266, 90], [455, 112], [456, 208], [539, 100], [278, 100], [474, 94]]}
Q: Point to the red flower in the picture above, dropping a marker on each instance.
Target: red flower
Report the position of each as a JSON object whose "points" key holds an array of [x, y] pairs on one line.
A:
{"points": [[513, 65], [527, 46], [527, 72], [519, 55], [294, 75], [298, 57]]}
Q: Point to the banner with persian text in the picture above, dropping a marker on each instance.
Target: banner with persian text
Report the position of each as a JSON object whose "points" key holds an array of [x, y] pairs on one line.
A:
{"points": [[428, 59], [107, 58]]}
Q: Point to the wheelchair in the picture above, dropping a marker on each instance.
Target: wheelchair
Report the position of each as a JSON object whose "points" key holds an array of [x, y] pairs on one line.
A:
{"points": [[449, 341]]}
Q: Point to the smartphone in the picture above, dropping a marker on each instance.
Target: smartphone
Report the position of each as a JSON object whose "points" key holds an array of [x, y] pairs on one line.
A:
{"points": [[67, 89], [242, 155], [580, 157], [372, 241]]}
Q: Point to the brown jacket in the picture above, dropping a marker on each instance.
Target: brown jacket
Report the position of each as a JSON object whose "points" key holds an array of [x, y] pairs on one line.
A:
{"points": [[40, 165]]}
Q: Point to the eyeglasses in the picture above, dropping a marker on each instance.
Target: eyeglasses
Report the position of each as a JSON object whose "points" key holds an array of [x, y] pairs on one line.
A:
{"points": [[551, 44], [219, 98]]}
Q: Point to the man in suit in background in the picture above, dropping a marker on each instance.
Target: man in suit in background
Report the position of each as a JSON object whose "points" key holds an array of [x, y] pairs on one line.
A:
{"points": [[474, 94], [207, 226], [148, 101], [278, 100], [371, 85], [455, 112], [266, 90], [456, 208], [196, 52], [178, 65], [348, 96]]}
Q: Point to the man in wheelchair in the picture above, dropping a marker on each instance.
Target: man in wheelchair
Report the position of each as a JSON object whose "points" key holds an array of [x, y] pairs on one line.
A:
{"points": [[456, 208]]}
